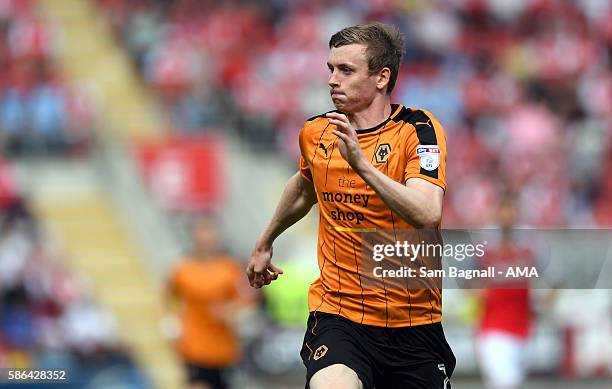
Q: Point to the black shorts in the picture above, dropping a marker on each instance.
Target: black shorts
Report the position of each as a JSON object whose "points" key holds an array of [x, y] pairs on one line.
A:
{"points": [[384, 358], [214, 377]]}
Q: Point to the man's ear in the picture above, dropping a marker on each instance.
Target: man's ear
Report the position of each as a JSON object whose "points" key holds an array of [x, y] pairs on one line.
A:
{"points": [[384, 76]]}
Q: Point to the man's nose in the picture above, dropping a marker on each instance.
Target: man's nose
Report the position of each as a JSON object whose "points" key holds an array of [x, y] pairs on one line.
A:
{"points": [[333, 80]]}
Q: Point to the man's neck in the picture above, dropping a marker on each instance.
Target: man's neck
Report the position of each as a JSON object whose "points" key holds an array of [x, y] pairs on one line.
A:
{"points": [[373, 115], [203, 254]]}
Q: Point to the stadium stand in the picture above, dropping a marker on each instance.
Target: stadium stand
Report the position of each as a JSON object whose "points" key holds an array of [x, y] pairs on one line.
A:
{"points": [[40, 113], [50, 316], [72, 308]]}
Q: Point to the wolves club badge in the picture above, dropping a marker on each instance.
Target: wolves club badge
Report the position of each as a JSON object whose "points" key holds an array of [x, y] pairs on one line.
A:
{"points": [[429, 156], [320, 352], [382, 152]]}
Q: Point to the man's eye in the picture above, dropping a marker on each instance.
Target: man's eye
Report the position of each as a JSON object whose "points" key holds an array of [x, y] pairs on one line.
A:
{"points": [[347, 71]]}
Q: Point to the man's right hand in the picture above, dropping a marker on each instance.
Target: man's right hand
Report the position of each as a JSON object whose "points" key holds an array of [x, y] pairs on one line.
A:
{"points": [[260, 269]]}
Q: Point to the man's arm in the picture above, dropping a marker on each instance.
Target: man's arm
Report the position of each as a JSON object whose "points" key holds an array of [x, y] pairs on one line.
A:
{"points": [[297, 199], [419, 202], [170, 323]]}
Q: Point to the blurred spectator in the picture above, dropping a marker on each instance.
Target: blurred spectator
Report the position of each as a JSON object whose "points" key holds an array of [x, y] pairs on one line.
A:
{"points": [[211, 288], [507, 312], [506, 316], [39, 114]]}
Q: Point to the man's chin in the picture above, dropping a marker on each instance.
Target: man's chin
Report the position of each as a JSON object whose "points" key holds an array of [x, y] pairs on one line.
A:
{"points": [[339, 105]]}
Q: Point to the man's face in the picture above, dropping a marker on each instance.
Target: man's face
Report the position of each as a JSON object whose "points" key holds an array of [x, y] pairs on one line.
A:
{"points": [[352, 87], [507, 215], [206, 236]]}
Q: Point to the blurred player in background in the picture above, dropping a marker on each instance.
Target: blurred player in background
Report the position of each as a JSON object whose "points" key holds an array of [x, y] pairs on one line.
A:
{"points": [[210, 289], [507, 311], [370, 165]]}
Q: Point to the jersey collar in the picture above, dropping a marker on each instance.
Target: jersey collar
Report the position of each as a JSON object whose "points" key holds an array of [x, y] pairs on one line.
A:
{"points": [[395, 108]]}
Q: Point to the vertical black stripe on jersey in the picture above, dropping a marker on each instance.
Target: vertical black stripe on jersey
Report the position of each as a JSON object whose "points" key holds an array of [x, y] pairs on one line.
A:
{"points": [[387, 174], [395, 236], [339, 283], [430, 286], [328, 160], [324, 259], [317, 149], [359, 275], [386, 303], [321, 271], [407, 284], [406, 279], [426, 134], [374, 156]]}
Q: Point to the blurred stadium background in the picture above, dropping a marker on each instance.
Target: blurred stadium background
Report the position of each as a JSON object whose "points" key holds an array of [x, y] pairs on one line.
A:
{"points": [[122, 119]]}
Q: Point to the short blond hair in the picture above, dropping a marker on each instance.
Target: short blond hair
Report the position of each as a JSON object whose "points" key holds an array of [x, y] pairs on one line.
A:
{"points": [[385, 46]]}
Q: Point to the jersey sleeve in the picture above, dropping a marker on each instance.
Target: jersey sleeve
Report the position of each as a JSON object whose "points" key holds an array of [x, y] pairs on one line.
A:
{"points": [[304, 167], [426, 151]]}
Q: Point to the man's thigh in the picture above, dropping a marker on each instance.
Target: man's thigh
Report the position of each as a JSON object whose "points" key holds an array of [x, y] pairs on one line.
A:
{"points": [[333, 350], [335, 377]]}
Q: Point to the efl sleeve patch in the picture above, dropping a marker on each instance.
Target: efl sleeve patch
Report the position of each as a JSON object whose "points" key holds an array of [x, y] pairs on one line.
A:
{"points": [[429, 156]]}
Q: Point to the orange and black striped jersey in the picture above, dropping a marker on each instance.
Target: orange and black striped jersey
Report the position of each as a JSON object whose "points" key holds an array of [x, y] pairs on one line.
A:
{"points": [[410, 143]]}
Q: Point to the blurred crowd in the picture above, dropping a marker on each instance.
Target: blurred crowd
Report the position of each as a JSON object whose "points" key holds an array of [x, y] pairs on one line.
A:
{"points": [[523, 87], [48, 315], [39, 113]]}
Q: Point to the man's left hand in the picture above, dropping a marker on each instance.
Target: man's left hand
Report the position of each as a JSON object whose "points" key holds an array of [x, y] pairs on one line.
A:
{"points": [[348, 142]]}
